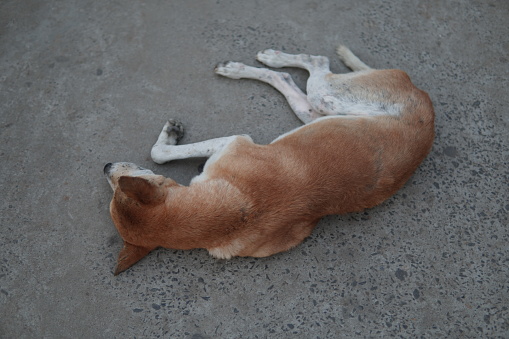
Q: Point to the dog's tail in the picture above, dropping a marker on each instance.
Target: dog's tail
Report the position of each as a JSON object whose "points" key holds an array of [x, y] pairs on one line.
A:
{"points": [[354, 63]]}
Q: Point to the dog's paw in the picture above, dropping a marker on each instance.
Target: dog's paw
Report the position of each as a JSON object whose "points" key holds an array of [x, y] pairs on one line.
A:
{"points": [[232, 70], [270, 58], [174, 129]]}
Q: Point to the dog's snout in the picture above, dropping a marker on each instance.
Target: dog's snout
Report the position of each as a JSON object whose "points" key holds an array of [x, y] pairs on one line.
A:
{"points": [[107, 168]]}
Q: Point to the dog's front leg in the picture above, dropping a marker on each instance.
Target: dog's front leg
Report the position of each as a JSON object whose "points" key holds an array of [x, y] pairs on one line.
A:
{"points": [[166, 149]]}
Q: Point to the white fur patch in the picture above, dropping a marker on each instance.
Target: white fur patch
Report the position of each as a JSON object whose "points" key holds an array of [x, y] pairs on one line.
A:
{"points": [[228, 251]]}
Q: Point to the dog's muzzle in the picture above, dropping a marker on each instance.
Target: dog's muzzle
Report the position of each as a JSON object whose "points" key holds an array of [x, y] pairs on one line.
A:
{"points": [[113, 171]]}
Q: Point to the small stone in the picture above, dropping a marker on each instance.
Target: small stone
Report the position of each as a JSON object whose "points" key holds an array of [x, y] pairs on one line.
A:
{"points": [[400, 274]]}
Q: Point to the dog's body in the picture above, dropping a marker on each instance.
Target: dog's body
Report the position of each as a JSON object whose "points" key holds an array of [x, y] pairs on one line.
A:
{"points": [[364, 135]]}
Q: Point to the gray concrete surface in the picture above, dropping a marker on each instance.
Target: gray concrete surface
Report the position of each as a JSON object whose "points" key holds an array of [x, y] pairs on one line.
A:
{"points": [[83, 83]]}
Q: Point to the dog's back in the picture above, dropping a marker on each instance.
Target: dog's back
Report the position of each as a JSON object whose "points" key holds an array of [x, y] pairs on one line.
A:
{"points": [[339, 164]]}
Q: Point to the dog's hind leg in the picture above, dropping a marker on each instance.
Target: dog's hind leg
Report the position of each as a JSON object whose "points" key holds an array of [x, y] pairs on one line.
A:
{"points": [[327, 93], [318, 86], [312, 63], [166, 149], [350, 59], [283, 82]]}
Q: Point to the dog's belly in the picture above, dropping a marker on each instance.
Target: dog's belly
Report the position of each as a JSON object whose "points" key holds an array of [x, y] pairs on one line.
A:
{"points": [[350, 105]]}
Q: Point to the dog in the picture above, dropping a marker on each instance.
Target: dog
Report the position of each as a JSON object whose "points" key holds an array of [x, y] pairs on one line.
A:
{"points": [[364, 134]]}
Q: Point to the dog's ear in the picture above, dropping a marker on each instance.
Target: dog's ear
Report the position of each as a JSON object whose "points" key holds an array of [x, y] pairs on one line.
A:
{"points": [[146, 191], [130, 255]]}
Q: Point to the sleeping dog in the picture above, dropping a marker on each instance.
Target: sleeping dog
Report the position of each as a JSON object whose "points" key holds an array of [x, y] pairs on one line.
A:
{"points": [[364, 134]]}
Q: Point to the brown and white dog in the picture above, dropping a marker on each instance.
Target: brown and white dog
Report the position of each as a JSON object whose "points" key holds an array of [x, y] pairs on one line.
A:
{"points": [[364, 135]]}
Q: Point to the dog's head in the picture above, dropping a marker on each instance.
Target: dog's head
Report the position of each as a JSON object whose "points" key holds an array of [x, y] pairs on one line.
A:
{"points": [[138, 203]]}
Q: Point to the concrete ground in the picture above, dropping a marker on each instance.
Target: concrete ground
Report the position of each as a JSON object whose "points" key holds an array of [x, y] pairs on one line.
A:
{"points": [[83, 83]]}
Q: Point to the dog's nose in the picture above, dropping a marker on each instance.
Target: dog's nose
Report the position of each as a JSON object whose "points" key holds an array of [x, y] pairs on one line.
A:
{"points": [[107, 168]]}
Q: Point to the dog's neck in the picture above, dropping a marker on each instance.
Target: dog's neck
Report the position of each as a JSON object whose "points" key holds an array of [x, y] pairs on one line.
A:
{"points": [[205, 215]]}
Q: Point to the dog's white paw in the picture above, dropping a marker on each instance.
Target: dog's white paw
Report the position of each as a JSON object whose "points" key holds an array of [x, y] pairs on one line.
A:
{"points": [[232, 70], [171, 133], [270, 58], [174, 131]]}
